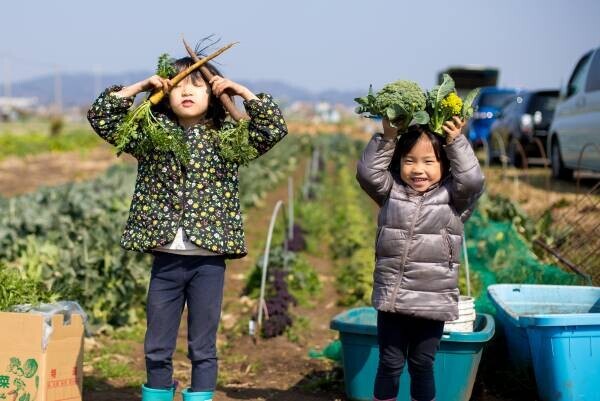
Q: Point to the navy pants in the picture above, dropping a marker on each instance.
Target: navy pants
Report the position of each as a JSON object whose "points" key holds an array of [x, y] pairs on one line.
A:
{"points": [[176, 281], [404, 338]]}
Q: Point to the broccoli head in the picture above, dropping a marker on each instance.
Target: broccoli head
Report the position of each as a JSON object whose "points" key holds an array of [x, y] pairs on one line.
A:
{"points": [[400, 99], [401, 102]]}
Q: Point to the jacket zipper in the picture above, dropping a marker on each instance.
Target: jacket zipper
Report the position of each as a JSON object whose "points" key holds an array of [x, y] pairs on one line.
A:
{"points": [[406, 248], [448, 242]]}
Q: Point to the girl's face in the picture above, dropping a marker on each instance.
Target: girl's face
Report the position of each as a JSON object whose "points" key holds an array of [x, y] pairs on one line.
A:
{"points": [[420, 168], [189, 101]]}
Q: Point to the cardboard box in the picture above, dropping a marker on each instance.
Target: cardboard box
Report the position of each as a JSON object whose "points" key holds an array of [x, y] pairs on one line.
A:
{"points": [[30, 372]]}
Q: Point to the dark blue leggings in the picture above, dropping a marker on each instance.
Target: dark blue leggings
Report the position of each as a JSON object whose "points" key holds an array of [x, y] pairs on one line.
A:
{"points": [[403, 338], [175, 281]]}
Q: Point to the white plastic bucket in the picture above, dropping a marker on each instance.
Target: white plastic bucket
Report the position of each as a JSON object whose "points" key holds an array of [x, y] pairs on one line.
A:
{"points": [[466, 316]]}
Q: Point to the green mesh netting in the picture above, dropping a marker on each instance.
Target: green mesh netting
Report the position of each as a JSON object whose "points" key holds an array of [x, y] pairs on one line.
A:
{"points": [[499, 254]]}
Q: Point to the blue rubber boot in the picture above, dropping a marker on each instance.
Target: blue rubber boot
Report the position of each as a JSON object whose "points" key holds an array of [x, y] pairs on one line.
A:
{"points": [[196, 395], [158, 394]]}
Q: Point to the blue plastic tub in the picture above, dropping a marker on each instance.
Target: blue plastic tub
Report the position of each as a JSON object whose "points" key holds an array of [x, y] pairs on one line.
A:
{"points": [[455, 367], [556, 329]]}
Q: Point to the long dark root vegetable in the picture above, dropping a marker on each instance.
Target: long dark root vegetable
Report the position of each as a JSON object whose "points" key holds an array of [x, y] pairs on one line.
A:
{"points": [[224, 98], [158, 136], [234, 144]]}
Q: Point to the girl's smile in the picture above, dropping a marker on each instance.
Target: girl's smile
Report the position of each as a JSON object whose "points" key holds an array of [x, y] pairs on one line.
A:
{"points": [[420, 184]]}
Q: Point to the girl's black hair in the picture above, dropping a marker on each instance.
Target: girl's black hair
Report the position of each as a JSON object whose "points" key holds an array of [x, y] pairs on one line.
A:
{"points": [[408, 140], [216, 112]]}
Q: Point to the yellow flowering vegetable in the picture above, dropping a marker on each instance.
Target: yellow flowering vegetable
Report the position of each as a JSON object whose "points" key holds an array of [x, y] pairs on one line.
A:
{"points": [[452, 104], [443, 103]]}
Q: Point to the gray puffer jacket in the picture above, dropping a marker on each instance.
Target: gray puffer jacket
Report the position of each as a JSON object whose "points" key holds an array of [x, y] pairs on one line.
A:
{"points": [[419, 235]]}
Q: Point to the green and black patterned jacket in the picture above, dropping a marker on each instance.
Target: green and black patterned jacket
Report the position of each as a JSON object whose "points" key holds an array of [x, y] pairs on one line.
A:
{"points": [[201, 197]]}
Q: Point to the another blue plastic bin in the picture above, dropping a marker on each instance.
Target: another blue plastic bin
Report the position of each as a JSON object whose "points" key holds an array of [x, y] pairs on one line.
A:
{"points": [[556, 329], [455, 367]]}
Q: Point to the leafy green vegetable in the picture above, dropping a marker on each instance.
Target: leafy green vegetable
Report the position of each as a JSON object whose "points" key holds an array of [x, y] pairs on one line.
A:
{"points": [[300, 276], [165, 68], [367, 104], [151, 133], [405, 104], [63, 242], [234, 145], [443, 103], [467, 107], [16, 290]]}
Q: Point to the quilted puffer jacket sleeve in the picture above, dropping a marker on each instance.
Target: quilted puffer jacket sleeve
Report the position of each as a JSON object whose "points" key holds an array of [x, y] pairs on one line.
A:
{"points": [[372, 170], [467, 177]]}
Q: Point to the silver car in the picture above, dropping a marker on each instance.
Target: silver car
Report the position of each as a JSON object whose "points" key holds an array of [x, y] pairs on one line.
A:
{"points": [[576, 122]]}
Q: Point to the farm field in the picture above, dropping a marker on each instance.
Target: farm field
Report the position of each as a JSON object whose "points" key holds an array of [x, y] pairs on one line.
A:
{"points": [[62, 215]]}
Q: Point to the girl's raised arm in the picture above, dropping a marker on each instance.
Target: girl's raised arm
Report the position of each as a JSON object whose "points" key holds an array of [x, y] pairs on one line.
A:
{"points": [[110, 108], [372, 169], [467, 177]]}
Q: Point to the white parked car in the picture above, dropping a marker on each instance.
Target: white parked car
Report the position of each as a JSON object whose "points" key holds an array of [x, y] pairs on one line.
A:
{"points": [[576, 120]]}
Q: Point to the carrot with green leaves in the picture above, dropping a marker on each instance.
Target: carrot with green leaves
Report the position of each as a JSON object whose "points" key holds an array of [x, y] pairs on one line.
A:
{"points": [[141, 119], [233, 139]]}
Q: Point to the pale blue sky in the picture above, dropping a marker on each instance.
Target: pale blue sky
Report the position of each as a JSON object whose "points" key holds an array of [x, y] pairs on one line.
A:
{"points": [[315, 44]]}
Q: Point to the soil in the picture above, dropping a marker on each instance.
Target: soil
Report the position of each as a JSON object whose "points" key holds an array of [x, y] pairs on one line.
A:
{"points": [[26, 174]]}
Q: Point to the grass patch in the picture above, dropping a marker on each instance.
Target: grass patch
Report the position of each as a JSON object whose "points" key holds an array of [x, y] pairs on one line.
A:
{"points": [[132, 333], [34, 143]]}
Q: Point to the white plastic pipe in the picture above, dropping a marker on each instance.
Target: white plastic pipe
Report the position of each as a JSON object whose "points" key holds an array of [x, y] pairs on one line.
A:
{"points": [[290, 208], [263, 280], [467, 269]]}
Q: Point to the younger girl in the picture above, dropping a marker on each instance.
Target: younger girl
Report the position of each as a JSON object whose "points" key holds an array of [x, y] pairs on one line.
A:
{"points": [[186, 215], [426, 188]]}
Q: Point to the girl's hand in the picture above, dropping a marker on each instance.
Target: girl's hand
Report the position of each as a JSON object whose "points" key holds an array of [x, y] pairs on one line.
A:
{"points": [[153, 83], [389, 132], [453, 128], [221, 85], [156, 83]]}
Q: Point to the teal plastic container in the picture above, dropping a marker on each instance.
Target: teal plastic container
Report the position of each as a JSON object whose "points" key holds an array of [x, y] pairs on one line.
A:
{"points": [[556, 330], [455, 366]]}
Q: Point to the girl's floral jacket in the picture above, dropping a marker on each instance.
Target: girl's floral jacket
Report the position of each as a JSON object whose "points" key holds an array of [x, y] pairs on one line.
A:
{"points": [[202, 196]]}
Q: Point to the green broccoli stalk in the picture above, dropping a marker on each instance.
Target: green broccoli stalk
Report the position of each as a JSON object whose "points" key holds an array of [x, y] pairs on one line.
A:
{"points": [[401, 102]]}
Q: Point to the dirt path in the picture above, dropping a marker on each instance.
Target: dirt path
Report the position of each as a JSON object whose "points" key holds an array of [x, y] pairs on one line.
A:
{"points": [[274, 369], [26, 174]]}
